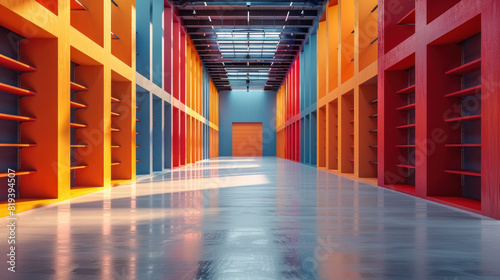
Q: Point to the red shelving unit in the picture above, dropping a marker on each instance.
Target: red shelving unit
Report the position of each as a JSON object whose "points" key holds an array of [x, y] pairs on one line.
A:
{"points": [[455, 137]]}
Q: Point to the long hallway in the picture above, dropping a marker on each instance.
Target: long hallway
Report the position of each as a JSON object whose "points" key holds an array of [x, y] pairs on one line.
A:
{"points": [[252, 218]]}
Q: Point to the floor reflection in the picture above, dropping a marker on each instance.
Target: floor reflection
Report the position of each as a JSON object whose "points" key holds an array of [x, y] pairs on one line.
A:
{"points": [[252, 218]]}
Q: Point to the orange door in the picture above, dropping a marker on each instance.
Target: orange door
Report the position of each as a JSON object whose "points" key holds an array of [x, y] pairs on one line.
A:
{"points": [[247, 139]]}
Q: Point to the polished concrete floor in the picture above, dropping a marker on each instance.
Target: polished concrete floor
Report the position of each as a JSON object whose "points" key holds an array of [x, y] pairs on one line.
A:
{"points": [[251, 218]]}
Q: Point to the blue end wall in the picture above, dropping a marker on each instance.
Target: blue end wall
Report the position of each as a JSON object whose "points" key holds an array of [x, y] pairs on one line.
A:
{"points": [[243, 106]]}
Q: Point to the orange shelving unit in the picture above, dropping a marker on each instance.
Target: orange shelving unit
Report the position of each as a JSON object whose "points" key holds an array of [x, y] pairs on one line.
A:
{"points": [[60, 78]]}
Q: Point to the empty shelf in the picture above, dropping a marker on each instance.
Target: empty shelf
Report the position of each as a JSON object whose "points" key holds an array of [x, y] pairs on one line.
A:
{"points": [[374, 116], [115, 129], [113, 114], [464, 172], [373, 101], [408, 19], [15, 90], [77, 6], [465, 92], [466, 68], [114, 163], [407, 126], [373, 131], [15, 65], [114, 36], [78, 146], [78, 105], [78, 125], [114, 99], [408, 90], [78, 167], [115, 146], [408, 107], [77, 87], [137, 120], [403, 188], [460, 201], [373, 162], [17, 145], [16, 118], [464, 119], [17, 173], [406, 166], [463, 145]]}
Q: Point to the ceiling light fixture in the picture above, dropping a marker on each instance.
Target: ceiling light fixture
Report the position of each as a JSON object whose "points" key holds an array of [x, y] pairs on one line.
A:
{"points": [[287, 14], [205, 4], [248, 16], [209, 18]]}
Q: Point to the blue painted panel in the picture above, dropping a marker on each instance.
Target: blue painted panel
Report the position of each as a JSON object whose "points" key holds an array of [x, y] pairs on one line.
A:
{"points": [[313, 64], [307, 140], [157, 133], [144, 13], [157, 18], [167, 139], [143, 127], [243, 106], [313, 137], [302, 140]]}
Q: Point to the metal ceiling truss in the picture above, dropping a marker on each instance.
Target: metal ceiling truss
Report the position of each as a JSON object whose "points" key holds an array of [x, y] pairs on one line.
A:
{"points": [[247, 44]]}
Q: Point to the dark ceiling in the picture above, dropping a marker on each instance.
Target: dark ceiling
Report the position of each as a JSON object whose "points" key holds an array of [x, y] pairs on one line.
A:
{"points": [[247, 44]]}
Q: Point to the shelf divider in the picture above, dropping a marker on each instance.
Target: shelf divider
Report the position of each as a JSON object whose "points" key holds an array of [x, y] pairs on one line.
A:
{"points": [[78, 105], [465, 119], [77, 87], [465, 92], [18, 173], [408, 90], [464, 172], [15, 90], [466, 68], [408, 107], [408, 19], [16, 118], [15, 65], [7, 145]]}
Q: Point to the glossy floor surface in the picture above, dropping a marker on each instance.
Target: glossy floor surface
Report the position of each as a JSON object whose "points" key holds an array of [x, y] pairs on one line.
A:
{"points": [[251, 218]]}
